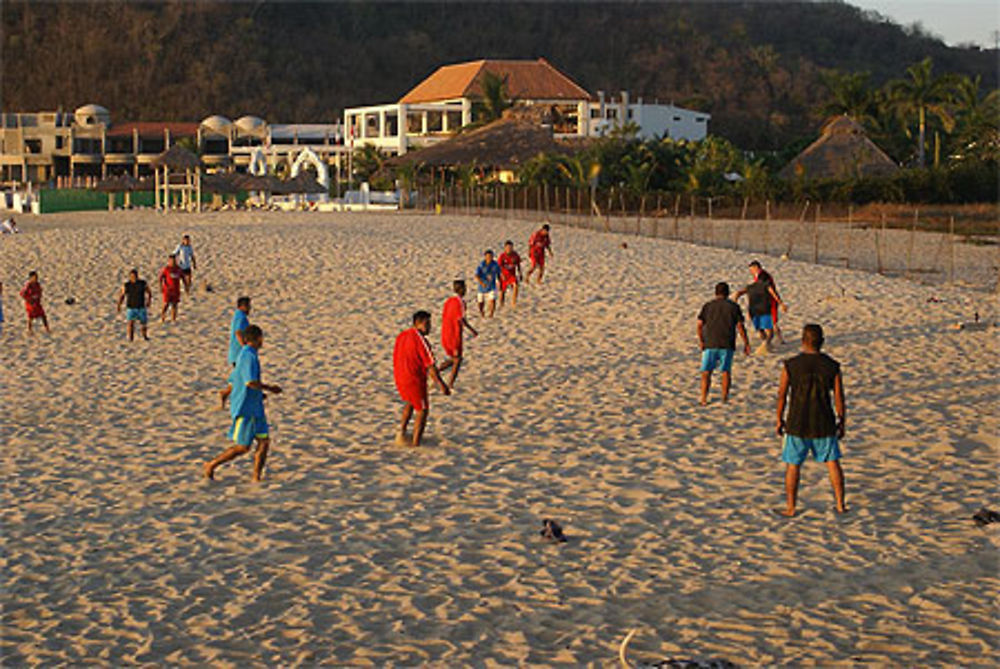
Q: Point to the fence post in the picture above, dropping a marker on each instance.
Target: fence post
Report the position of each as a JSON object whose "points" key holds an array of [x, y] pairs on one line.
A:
{"points": [[878, 246], [816, 235], [951, 249], [909, 247], [709, 208], [767, 223], [850, 224], [656, 218], [677, 216]]}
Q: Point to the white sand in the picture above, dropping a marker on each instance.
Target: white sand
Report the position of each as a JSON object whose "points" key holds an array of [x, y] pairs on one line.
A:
{"points": [[581, 406]]}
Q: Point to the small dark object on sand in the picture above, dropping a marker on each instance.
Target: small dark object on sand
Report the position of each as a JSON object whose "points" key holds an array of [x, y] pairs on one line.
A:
{"points": [[985, 516], [695, 664], [208, 288], [70, 300], [624, 245], [552, 531]]}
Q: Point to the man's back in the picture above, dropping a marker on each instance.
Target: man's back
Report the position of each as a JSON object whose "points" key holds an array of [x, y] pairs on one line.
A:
{"points": [[811, 378], [720, 316]]}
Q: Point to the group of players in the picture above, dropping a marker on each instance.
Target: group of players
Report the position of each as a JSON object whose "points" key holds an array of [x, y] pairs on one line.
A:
{"points": [[811, 426]]}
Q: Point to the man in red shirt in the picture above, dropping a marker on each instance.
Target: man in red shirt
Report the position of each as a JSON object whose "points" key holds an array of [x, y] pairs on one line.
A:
{"points": [[32, 296], [539, 243], [510, 272], [171, 279], [412, 361], [452, 321]]}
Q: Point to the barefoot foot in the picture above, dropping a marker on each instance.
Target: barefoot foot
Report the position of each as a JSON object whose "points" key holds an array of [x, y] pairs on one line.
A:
{"points": [[209, 471], [401, 439]]}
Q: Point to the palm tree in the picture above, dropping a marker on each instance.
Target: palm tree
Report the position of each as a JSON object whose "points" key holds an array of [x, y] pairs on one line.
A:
{"points": [[977, 116], [580, 172], [850, 94], [639, 168], [494, 98], [923, 94]]}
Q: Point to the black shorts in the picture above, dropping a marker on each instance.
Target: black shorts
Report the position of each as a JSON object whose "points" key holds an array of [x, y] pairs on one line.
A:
{"points": [[186, 272]]}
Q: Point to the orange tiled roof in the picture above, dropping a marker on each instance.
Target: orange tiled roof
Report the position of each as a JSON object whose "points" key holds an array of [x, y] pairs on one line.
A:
{"points": [[526, 80], [154, 128]]}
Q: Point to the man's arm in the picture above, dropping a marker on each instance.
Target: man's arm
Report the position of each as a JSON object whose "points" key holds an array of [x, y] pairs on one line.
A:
{"points": [[701, 334], [468, 325], [743, 334], [739, 293], [436, 375], [839, 404], [776, 298], [149, 296], [782, 394], [239, 338], [121, 298], [194, 263], [257, 385]]}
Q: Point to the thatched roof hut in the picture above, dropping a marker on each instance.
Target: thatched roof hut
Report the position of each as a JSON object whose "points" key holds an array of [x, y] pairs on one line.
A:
{"points": [[223, 184], [842, 151], [305, 182], [177, 158], [118, 183], [506, 143]]}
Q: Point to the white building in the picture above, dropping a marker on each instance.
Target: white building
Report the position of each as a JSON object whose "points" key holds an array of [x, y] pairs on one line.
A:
{"points": [[444, 102]]}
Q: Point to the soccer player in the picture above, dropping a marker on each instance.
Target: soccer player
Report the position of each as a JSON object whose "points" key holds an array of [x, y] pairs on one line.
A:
{"points": [[239, 323], [453, 322], [538, 244], [412, 361], [171, 278], [510, 272], [186, 261], [760, 294], [137, 296], [247, 407], [1, 307], [718, 323], [811, 426], [488, 276], [32, 296], [760, 274]]}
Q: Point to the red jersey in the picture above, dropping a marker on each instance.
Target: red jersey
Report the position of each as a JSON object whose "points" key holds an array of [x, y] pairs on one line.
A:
{"points": [[451, 326], [170, 280], [411, 358], [32, 296], [509, 263], [540, 241]]}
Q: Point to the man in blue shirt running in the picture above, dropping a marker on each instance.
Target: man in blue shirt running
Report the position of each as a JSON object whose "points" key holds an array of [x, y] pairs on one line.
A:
{"points": [[239, 323], [247, 407], [488, 276]]}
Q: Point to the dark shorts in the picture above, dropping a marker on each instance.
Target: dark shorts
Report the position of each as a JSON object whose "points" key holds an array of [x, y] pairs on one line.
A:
{"points": [[186, 272]]}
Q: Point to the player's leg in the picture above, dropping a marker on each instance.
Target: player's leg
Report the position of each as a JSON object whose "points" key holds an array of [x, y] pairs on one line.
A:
{"points": [[480, 300], [130, 329], [513, 296], [727, 379], [31, 325], [163, 311], [493, 305], [173, 312], [706, 383], [144, 330], [419, 423], [45, 322], [227, 455], [454, 371], [260, 457], [403, 422], [837, 482], [791, 488]]}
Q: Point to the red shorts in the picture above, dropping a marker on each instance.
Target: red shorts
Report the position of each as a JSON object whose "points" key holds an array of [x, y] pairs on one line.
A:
{"points": [[508, 281], [452, 350], [172, 296], [34, 310], [538, 257], [415, 395]]}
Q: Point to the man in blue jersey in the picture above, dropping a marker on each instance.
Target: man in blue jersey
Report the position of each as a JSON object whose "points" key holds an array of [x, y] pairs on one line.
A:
{"points": [[239, 323], [488, 276], [247, 407]]}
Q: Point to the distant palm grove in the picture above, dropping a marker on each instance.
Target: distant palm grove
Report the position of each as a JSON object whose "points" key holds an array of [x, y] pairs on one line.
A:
{"points": [[769, 74]]}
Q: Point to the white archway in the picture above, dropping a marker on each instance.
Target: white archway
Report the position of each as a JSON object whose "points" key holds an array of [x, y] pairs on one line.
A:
{"points": [[258, 163], [309, 156]]}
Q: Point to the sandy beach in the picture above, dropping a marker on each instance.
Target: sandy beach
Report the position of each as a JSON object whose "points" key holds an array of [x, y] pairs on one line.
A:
{"points": [[580, 406]]}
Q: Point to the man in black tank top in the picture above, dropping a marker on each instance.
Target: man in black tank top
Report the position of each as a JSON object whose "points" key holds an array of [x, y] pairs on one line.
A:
{"points": [[811, 425]]}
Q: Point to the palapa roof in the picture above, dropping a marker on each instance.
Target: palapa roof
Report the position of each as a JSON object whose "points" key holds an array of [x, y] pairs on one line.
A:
{"points": [[505, 143], [526, 80], [842, 151], [177, 158]]}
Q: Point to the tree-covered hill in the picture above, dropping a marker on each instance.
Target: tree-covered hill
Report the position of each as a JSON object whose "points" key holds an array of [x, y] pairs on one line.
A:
{"points": [[757, 67]]}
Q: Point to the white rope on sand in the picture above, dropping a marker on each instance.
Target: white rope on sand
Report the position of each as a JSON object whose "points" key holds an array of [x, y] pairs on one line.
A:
{"points": [[623, 649]]}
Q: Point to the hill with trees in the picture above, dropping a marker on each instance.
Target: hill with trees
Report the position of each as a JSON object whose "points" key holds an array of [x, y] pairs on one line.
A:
{"points": [[766, 72]]}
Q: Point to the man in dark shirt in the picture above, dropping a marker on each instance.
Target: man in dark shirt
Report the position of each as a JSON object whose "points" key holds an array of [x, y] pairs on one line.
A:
{"points": [[760, 295], [718, 322], [811, 426], [136, 295]]}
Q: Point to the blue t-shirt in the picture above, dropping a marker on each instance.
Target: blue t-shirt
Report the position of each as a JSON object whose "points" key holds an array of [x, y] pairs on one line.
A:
{"points": [[246, 402], [489, 274], [240, 323]]}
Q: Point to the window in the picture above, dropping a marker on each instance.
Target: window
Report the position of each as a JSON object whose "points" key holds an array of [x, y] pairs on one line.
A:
{"points": [[32, 146], [700, 119], [595, 113], [677, 118], [629, 113], [59, 142]]}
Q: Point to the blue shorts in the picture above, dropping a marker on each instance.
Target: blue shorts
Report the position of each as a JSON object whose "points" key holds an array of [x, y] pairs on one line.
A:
{"points": [[823, 449], [717, 358], [763, 322], [136, 315], [244, 430]]}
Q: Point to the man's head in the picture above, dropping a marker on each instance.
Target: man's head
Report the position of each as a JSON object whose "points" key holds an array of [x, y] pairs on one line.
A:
{"points": [[755, 268], [545, 227], [508, 246], [422, 321], [243, 304], [186, 239], [812, 337], [722, 289], [172, 260], [133, 275], [253, 336], [459, 287], [488, 255], [32, 275]]}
